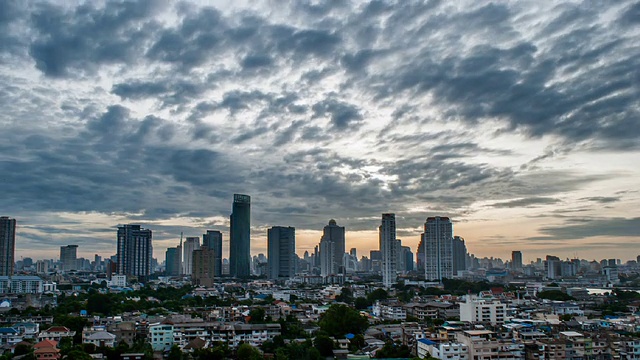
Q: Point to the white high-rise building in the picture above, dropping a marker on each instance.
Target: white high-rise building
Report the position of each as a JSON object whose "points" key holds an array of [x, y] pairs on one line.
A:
{"points": [[389, 249], [332, 249], [438, 242], [191, 244]]}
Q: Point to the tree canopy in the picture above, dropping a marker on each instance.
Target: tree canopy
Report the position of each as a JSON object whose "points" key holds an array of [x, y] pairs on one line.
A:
{"points": [[340, 320]]}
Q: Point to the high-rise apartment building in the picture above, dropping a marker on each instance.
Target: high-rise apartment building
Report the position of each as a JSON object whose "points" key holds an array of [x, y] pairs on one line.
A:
{"points": [[172, 261], [459, 255], [516, 260], [213, 240], [69, 257], [420, 257], [135, 251], [7, 245], [333, 243], [191, 244], [389, 249], [240, 242], [281, 252], [407, 256], [204, 267], [438, 242]]}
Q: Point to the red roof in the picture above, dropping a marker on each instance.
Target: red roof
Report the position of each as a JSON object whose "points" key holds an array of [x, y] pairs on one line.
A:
{"points": [[58, 329], [46, 344]]}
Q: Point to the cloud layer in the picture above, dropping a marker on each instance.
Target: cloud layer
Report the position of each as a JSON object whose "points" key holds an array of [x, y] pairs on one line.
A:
{"points": [[155, 112]]}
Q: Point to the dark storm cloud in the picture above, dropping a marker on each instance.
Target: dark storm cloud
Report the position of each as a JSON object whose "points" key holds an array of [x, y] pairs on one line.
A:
{"points": [[72, 42]]}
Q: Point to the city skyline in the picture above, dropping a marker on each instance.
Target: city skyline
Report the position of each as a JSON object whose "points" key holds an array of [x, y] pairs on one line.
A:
{"points": [[518, 120]]}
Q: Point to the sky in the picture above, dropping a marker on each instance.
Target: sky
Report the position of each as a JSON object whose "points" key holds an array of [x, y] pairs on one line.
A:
{"points": [[519, 120]]}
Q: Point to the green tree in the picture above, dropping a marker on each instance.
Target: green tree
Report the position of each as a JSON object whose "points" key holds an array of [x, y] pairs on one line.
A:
{"points": [[99, 304], [248, 352], [175, 353], [324, 344], [340, 320], [78, 354], [361, 303], [556, 295], [346, 296], [22, 349], [256, 315], [377, 294]]}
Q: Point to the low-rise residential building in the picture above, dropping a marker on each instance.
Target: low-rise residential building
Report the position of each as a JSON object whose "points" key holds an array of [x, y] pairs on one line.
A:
{"points": [[56, 333], [21, 284], [161, 336], [100, 338], [485, 345], [442, 351], [47, 350], [486, 310], [393, 311]]}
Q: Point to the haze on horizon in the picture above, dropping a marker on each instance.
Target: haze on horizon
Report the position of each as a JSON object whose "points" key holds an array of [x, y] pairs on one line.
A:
{"points": [[519, 120]]}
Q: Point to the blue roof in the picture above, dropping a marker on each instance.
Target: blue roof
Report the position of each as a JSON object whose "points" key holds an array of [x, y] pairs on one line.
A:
{"points": [[427, 342], [8, 330]]}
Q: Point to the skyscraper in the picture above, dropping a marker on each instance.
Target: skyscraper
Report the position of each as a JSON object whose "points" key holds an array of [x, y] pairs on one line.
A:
{"points": [[213, 240], [459, 255], [240, 242], [407, 256], [172, 261], [7, 245], [281, 252], [190, 245], [135, 251], [388, 249], [69, 257], [516, 260], [438, 242], [334, 243]]}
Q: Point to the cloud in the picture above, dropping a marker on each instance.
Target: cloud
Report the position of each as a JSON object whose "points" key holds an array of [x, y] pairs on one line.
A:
{"points": [[602, 199], [582, 228], [154, 112], [78, 41], [342, 115], [526, 202]]}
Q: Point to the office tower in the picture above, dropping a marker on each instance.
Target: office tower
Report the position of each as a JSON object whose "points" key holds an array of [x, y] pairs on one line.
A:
{"points": [[190, 245], [333, 243], [240, 242], [516, 260], [135, 251], [213, 240], [281, 252], [388, 249], [172, 261], [459, 255], [7, 245], [376, 260], [27, 262], [420, 255], [553, 267], [204, 267], [407, 255], [438, 242], [68, 257]]}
